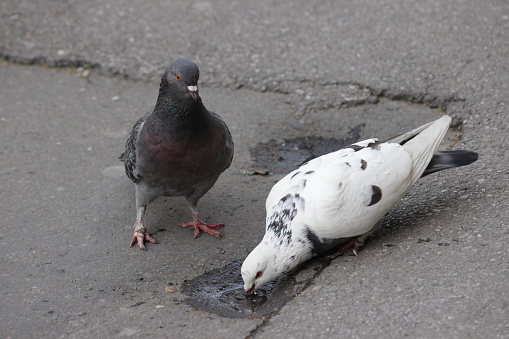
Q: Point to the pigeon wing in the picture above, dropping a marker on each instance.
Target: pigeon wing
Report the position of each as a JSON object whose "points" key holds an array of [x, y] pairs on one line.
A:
{"points": [[345, 193], [129, 156], [228, 136]]}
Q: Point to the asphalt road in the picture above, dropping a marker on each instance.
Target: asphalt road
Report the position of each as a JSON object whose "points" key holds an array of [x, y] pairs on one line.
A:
{"points": [[76, 75]]}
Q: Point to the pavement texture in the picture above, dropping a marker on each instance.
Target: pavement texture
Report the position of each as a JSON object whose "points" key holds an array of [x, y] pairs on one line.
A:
{"points": [[75, 76]]}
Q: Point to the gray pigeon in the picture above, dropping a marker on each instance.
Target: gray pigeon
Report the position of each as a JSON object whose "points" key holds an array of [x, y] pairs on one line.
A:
{"points": [[343, 195], [178, 149]]}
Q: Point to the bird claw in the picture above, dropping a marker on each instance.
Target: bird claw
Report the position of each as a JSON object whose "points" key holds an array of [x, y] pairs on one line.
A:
{"points": [[200, 225], [140, 235], [344, 248], [356, 243]]}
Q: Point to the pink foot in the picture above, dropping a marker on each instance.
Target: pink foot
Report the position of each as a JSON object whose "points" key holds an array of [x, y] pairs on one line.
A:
{"points": [[356, 243], [200, 225], [343, 249], [140, 235]]}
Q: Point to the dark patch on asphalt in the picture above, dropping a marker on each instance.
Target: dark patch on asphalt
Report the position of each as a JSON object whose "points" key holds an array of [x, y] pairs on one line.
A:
{"points": [[221, 291], [284, 157]]}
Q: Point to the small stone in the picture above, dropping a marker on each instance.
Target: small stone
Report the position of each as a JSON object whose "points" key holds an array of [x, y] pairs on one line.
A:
{"points": [[169, 289], [247, 172], [84, 73], [261, 171]]}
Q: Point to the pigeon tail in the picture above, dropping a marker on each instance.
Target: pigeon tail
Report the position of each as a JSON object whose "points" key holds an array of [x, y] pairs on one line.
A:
{"points": [[422, 146], [449, 159]]}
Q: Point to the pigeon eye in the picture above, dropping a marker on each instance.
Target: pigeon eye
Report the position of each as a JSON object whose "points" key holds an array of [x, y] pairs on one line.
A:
{"points": [[178, 77], [259, 274]]}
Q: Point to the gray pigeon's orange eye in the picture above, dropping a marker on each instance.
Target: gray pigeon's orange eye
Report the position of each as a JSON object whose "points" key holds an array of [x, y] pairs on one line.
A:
{"points": [[177, 76], [259, 274]]}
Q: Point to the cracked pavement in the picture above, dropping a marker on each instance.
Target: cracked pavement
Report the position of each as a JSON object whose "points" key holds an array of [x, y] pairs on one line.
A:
{"points": [[75, 77]]}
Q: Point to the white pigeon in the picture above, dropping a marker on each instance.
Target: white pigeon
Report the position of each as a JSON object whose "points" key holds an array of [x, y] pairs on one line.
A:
{"points": [[343, 195]]}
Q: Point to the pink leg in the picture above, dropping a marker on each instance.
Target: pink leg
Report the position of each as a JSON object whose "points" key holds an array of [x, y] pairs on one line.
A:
{"points": [[200, 225], [356, 243], [344, 248], [140, 235]]}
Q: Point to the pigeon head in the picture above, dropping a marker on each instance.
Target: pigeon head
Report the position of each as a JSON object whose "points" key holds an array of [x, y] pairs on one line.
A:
{"points": [[258, 268], [269, 260], [182, 77]]}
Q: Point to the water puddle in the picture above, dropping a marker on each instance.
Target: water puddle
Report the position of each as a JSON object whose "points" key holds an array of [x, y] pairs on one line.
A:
{"points": [[286, 156], [221, 291]]}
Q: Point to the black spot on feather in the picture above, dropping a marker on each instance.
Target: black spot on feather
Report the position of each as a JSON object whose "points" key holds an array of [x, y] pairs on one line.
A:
{"points": [[317, 246], [376, 196], [281, 219], [321, 245], [364, 164], [355, 148]]}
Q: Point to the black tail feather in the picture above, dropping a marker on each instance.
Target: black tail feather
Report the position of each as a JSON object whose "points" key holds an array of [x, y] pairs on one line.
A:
{"points": [[449, 159]]}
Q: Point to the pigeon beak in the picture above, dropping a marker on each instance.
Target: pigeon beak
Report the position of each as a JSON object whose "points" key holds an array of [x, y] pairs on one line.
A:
{"points": [[193, 91], [250, 291]]}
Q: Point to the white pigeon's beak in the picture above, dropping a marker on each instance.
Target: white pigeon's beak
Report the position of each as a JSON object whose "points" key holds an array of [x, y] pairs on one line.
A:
{"points": [[249, 290], [193, 91]]}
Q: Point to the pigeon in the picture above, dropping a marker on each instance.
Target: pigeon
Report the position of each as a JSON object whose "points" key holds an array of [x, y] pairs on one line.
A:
{"points": [[178, 149], [339, 199]]}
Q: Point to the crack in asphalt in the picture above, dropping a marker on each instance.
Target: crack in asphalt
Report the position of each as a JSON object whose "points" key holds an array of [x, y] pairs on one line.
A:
{"points": [[309, 96]]}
